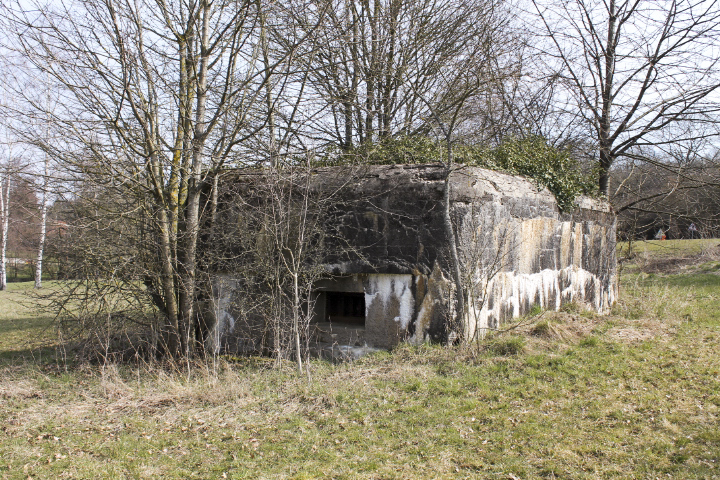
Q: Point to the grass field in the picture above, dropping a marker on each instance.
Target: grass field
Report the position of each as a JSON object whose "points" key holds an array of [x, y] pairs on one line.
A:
{"points": [[570, 394]]}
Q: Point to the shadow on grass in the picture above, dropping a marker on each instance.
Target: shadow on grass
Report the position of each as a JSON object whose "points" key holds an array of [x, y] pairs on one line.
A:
{"points": [[35, 355], [28, 339], [34, 324]]}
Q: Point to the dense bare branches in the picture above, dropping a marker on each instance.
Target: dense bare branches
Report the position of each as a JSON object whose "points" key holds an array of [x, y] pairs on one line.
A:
{"points": [[153, 99], [373, 64], [635, 74], [153, 96]]}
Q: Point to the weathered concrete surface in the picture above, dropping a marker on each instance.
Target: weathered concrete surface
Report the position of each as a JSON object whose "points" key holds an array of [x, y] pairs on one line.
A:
{"points": [[516, 248]]}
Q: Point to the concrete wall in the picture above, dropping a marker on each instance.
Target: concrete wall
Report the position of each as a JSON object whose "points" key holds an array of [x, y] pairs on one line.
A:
{"points": [[517, 250]]}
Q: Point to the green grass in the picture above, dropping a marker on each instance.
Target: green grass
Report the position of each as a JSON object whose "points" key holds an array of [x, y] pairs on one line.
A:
{"points": [[632, 395], [668, 248], [24, 335]]}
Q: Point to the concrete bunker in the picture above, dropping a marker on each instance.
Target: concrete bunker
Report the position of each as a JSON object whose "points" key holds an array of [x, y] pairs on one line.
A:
{"points": [[390, 282]]}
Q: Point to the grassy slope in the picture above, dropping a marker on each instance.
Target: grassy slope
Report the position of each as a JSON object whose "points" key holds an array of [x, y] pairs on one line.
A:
{"points": [[632, 395]]}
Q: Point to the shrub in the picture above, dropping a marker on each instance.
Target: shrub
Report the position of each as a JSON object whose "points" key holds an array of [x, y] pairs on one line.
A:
{"points": [[548, 166], [403, 150], [532, 156], [571, 307]]}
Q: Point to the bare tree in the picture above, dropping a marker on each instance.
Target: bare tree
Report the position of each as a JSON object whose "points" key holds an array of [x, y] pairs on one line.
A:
{"points": [[486, 248], [634, 74], [454, 89], [271, 237], [154, 96], [44, 205], [6, 146], [11, 169], [669, 192], [372, 62], [5, 182]]}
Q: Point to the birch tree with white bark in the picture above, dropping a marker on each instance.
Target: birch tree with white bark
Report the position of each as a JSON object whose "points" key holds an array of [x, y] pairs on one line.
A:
{"points": [[5, 183], [44, 206]]}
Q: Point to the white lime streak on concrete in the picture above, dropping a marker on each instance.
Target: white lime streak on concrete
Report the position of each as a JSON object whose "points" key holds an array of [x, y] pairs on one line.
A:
{"points": [[221, 305], [510, 291], [385, 288]]}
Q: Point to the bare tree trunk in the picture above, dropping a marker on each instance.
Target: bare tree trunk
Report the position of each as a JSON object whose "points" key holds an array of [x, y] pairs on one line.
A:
{"points": [[606, 158], [43, 224], [188, 263], [606, 162], [168, 286], [5, 211], [455, 266], [296, 321]]}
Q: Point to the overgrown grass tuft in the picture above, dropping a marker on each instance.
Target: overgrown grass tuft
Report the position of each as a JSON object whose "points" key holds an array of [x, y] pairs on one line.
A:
{"points": [[541, 329], [589, 342], [507, 345]]}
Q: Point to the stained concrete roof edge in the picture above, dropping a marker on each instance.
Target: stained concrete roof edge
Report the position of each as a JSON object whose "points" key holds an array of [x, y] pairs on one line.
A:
{"points": [[479, 173]]}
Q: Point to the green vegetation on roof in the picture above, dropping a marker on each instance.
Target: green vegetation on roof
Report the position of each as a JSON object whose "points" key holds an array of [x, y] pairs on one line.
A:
{"points": [[533, 157]]}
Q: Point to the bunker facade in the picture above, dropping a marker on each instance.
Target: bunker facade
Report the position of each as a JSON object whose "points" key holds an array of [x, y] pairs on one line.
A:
{"points": [[391, 281]]}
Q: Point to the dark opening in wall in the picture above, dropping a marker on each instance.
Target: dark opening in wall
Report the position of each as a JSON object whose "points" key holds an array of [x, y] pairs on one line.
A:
{"points": [[345, 307]]}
